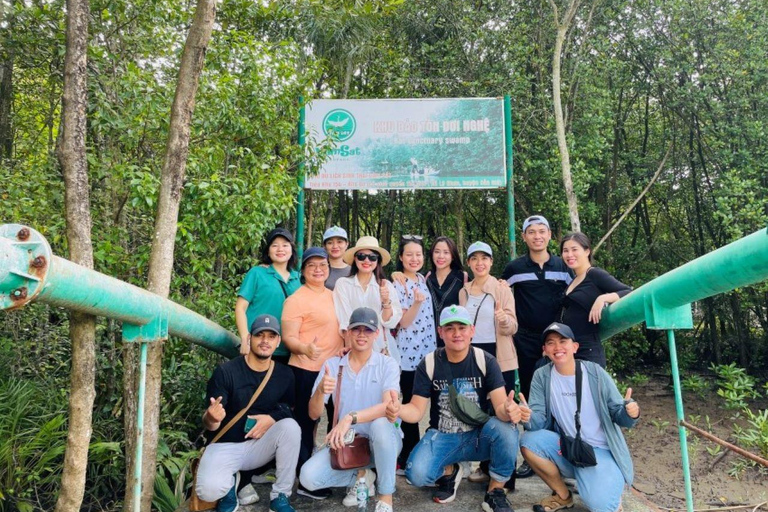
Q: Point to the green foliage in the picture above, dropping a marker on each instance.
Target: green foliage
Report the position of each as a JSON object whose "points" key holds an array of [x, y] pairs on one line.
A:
{"points": [[755, 436], [735, 386], [695, 384]]}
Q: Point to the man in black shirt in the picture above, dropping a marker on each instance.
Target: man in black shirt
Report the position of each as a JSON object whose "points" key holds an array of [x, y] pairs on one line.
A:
{"points": [[475, 377], [266, 431], [538, 280]]}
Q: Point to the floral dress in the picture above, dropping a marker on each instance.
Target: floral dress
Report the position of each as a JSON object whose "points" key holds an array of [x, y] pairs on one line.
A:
{"points": [[418, 339]]}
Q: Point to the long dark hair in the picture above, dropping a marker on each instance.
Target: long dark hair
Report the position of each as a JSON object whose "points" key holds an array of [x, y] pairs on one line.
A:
{"points": [[452, 248], [400, 250], [268, 261], [579, 238], [378, 272]]}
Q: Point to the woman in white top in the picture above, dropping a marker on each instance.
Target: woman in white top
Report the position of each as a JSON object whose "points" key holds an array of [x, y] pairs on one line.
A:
{"points": [[416, 332], [367, 287]]}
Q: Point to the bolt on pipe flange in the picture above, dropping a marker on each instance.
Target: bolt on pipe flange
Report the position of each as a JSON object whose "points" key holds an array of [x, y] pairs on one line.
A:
{"points": [[25, 258]]}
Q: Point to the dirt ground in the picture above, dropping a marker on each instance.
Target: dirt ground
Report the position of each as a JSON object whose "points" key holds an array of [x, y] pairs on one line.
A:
{"points": [[655, 448]]}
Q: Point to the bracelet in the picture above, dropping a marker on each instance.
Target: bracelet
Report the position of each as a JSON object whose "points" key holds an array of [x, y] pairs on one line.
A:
{"points": [[386, 304]]}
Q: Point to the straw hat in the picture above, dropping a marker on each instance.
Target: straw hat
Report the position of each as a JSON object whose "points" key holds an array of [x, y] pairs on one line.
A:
{"points": [[366, 242]]}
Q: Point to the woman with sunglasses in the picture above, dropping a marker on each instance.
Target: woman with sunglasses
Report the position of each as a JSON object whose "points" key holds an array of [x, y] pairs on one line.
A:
{"points": [[416, 332], [591, 290], [367, 286], [444, 280]]}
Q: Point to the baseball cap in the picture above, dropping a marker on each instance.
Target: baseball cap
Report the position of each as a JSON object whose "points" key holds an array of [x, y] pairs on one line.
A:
{"points": [[453, 314], [335, 231], [535, 219], [561, 329], [479, 247], [314, 252], [265, 323], [364, 316], [279, 232]]}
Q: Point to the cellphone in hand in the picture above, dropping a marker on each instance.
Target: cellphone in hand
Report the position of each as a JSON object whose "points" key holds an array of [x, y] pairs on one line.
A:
{"points": [[249, 424]]}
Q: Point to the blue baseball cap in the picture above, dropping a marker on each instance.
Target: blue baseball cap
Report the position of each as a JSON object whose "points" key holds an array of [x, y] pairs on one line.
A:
{"points": [[535, 219], [453, 314], [335, 231], [314, 252], [479, 247], [561, 329]]}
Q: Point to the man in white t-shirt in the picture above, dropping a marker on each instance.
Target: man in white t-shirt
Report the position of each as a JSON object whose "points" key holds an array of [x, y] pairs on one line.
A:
{"points": [[603, 413]]}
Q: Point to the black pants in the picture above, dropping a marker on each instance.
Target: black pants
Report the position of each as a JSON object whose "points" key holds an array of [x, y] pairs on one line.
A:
{"points": [[591, 349], [304, 380], [411, 433]]}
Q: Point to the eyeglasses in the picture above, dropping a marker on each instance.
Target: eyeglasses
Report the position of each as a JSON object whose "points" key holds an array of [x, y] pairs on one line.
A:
{"points": [[370, 257], [414, 238], [313, 266]]}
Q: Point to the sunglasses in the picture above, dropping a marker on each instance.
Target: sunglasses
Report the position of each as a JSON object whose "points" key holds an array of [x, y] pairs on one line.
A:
{"points": [[370, 257], [413, 238]]}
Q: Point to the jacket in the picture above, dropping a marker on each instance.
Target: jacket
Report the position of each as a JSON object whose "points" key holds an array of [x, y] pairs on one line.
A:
{"points": [[608, 401], [506, 354]]}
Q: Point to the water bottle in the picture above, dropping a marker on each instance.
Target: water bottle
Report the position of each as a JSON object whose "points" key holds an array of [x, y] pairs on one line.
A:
{"points": [[362, 494]]}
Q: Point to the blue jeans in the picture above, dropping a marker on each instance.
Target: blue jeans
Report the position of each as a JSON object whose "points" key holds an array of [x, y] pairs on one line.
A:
{"points": [[495, 441], [386, 443], [600, 487]]}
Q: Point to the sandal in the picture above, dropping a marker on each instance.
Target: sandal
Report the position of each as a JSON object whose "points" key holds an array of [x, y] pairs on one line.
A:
{"points": [[553, 503]]}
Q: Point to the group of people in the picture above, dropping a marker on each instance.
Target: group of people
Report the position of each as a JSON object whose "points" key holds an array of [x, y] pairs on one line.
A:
{"points": [[484, 355]]}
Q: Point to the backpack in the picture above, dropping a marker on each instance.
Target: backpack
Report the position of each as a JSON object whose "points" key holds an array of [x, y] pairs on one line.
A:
{"points": [[429, 361]]}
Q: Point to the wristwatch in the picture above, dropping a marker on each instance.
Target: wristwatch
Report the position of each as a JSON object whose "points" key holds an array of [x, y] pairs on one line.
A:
{"points": [[353, 414]]}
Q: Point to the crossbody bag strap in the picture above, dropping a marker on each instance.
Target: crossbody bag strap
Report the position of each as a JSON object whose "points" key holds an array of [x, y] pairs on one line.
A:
{"points": [[337, 396], [477, 311], [577, 414], [250, 403]]}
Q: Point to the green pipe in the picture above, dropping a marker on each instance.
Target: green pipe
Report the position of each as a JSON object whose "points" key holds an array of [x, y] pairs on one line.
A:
{"points": [[510, 182], [741, 263], [300, 199], [680, 419], [140, 429], [60, 282]]}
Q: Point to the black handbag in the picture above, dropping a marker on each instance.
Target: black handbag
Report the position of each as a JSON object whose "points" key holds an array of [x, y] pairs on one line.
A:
{"points": [[576, 451]]}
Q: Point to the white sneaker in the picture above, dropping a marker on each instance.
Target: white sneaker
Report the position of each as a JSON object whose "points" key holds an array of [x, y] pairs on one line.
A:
{"points": [[350, 500], [265, 478], [477, 476], [383, 507], [248, 495], [466, 468]]}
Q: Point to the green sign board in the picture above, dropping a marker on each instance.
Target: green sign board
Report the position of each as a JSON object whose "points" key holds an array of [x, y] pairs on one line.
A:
{"points": [[409, 144]]}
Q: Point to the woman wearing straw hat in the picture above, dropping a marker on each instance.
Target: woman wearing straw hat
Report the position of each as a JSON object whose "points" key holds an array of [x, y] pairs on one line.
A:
{"points": [[367, 287]]}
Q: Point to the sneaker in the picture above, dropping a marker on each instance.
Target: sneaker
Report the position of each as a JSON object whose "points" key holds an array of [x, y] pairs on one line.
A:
{"points": [[447, 485], [496, 501], [248, 495], [317, 494], [350, 500], [400, 471], [524, 470], [268, 477], [466, 468], [281, 504], [478, 476], [383, 507], [230, 503]]}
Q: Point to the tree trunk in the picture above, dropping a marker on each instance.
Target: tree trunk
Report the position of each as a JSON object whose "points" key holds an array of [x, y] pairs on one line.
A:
{"points": [[163, 244], [82, 328], [562, 142], [310, 220], [329, 211], [6, 88]]}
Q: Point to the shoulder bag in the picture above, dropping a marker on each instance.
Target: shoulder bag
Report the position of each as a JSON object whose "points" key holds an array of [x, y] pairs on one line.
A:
{"points": [[356, 454], [576, 451]]}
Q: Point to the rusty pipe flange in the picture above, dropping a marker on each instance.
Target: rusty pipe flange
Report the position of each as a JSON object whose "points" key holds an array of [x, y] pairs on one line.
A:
{"points": [[25, 258]]}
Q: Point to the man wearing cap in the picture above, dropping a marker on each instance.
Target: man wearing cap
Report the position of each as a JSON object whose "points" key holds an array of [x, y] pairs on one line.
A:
{"points": [[336, 241], [369, 381], [264, 432], [603, 411], [538, 280], [264, 289], [474, 375]]}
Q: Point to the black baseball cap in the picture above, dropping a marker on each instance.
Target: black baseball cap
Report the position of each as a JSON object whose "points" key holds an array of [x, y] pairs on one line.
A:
{"points": [[561, 329], [364, 316], [279, 232], [265, 323]]}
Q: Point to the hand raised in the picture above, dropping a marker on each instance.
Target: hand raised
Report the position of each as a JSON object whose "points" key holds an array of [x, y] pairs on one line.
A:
{"points": [[513, 410], [499, 313], [633, 409], [216, 411], [418, 296], [328, 384], [384, 291], [311, 350], [525, 411], [393, 407]]}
